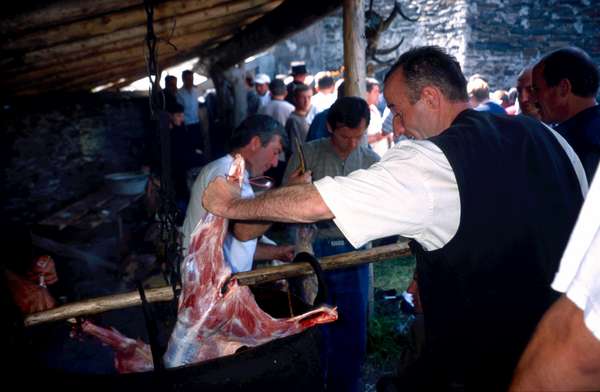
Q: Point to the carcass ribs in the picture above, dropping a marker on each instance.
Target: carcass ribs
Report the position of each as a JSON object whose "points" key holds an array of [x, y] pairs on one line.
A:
{"points": [[216, 316]]}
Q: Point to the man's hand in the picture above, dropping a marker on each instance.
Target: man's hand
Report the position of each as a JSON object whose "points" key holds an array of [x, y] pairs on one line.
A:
{"points": [[43, 271], [29, 297], [219, 196], [284, 253], [300, 178]]}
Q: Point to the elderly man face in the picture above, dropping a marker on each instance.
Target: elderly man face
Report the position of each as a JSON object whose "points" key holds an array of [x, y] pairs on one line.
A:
{"points": [[525, 94], [548, 99], [412, 119]]}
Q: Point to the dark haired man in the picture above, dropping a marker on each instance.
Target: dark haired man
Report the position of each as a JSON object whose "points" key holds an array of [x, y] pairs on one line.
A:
{"points": [[170, 90], [258, 139], [300, 119], [278, 107], [299, 73], [339, 155], [565, 84], [488, 200], [326, 96]]}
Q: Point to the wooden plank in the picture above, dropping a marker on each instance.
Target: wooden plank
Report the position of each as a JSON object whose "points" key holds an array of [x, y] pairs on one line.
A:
{"points": [[184, 25], [119, 62], [108, 213], [61, 12], [72, 213], [103, 304], [354, 48], [122, 19], [66, 67]]}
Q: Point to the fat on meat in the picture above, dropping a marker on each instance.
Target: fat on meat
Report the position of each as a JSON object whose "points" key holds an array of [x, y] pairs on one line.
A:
{"points": [[216, 316]]}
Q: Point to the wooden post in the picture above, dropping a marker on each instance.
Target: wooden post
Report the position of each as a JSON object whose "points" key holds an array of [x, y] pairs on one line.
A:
{"points": [[354, 48]]}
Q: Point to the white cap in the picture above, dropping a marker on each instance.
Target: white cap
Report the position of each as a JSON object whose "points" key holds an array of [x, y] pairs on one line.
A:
{"points": [[262, 78]]}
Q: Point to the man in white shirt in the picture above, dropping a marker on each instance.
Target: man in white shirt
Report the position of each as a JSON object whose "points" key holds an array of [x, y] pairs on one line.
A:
{"points": [[488, 200], [380, 142], [278, 107], [564, 353], [259, 139], [261, 85], [326, 96]]}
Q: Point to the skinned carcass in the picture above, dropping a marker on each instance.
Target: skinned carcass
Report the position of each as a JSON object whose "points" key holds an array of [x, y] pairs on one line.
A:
{"points": [[216, 316]]}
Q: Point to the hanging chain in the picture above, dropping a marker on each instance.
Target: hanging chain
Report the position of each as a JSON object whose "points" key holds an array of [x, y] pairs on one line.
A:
{"points": [[169, 249]]}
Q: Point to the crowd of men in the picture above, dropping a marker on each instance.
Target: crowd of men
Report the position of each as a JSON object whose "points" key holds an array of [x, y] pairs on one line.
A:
{"points": [[489, 192]]}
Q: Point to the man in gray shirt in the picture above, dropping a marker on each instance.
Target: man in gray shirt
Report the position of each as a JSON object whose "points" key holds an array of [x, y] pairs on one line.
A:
{"points": [[339, 155]]}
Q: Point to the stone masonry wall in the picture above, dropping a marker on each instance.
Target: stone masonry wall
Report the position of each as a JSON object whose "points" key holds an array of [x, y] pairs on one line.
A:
{"points": [[496, 38], [505, 36]]}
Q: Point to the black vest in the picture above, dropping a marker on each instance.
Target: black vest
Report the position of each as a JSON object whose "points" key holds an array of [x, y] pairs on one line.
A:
{"points": [[484, 292]]}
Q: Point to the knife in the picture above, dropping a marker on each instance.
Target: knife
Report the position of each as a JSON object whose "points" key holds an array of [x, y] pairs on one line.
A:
{"points": [[301, 156]]}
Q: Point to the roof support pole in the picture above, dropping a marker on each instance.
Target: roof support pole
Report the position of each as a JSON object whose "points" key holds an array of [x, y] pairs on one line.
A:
{"points": [[354, 48]]}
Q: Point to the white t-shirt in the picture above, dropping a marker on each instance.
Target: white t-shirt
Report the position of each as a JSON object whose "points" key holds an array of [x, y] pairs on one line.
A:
{"points": [[411, 192], [238, 254], [279, 109], [579, 272], [322, 101], [375, 127]]}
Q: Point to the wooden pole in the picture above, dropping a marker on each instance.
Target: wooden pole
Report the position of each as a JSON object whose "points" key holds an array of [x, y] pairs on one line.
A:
{"points": [[354, 48], [118, 301]]}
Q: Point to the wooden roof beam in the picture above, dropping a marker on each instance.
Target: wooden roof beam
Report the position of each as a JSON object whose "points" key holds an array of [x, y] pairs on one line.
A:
{"points": [[122, 19], [134, 49], [185, 24], [61, 12], [291, 16]]}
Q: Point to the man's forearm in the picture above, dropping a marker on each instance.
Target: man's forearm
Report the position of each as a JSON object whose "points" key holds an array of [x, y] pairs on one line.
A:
{"points": [[294, 204], [246, 231], [563, 355]]}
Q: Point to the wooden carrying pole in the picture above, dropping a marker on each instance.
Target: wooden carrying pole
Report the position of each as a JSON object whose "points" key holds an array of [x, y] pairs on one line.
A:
{"points": [[118, 301]]}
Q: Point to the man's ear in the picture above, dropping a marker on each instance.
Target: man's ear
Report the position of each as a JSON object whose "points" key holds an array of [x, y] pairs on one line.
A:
{"points": [[328, 127], [431, 96], [564, 87], [255, 143]]}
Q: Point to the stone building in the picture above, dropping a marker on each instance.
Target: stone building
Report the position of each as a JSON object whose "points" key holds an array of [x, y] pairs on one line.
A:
{"points": [[495, 38]]}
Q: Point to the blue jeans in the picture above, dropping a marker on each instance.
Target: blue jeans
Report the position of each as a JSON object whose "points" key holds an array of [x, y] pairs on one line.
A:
{"points": [[344, 341]]}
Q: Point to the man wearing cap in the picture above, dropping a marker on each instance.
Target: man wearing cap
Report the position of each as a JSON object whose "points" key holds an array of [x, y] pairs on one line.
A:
{"points": [[299, 73], [261, 84]]}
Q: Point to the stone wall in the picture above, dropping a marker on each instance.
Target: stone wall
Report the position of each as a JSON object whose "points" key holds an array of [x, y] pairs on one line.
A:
{"points": [[496, 38], [56, 150], [507, 35]]}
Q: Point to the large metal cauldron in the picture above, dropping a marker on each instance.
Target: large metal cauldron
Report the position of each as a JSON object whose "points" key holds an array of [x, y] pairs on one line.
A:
{"points": [[288, 364]]}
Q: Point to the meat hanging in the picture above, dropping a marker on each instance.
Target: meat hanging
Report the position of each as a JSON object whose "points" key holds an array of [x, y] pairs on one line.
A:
{"points": [[216, 316]]}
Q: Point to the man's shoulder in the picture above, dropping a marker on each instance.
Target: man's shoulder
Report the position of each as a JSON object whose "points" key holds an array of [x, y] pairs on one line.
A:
{"points": [[368, 154], [280, 104], [218, 167]]}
